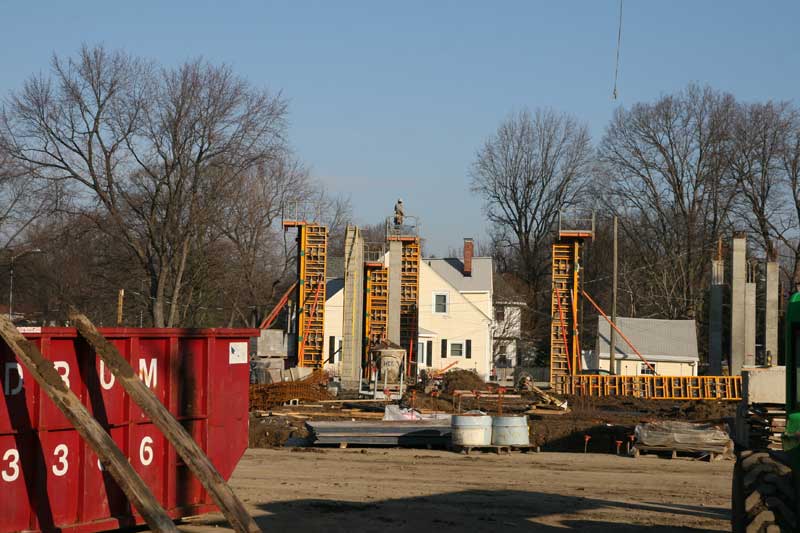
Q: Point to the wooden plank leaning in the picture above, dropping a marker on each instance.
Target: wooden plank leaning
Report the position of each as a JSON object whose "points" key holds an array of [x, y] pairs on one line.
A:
{"points": [[88, 428], [176, 434]]}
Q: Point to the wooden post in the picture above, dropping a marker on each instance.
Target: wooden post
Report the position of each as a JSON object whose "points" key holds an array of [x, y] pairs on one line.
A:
{"points": [[176, 434], [120, 304], [89, 429]]}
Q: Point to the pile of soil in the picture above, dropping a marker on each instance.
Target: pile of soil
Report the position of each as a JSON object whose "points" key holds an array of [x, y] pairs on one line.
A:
{"points": [[459, 379], [275, 431], [425, 401], [694, 410], [607, 420]]}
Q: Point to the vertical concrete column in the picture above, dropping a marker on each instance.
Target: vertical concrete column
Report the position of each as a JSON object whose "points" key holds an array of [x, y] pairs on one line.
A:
{"points": [[738, 280], [353, 319], [395, 273], [750, 323], [771, 312], [715, 317]]}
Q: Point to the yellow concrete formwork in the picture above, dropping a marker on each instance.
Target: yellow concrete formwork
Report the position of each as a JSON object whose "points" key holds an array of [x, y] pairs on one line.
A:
{"points": [[312, 242], [376, 306], [659, 387]]}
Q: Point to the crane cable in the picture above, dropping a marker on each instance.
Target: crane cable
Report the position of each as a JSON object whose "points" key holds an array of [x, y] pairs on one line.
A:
{"points": [[619, 42]]}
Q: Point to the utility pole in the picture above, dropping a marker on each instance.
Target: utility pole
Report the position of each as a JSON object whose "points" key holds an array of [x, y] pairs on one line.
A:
{"points": [[612, 345]]}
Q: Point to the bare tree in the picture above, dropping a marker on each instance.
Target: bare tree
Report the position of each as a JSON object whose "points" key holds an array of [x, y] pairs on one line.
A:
{"points": [[534, 166], [152, 153], [251, 223], [22, 201], [786, 221], [759, 136], [664, 170]]}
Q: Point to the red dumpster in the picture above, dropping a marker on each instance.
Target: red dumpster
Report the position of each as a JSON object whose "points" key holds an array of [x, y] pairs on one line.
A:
{"points": [[51, 480]]}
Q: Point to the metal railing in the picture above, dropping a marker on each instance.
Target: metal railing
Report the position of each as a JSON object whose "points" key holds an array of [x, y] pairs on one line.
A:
{"points": [[659, 387], [374, 251], [569, 223], [408, 228]]}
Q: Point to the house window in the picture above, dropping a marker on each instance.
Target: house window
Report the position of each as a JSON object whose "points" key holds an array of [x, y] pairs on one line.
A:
{"points": [[440, 303], [429, 353], [645, 370], [500, 313], [456, 349]]}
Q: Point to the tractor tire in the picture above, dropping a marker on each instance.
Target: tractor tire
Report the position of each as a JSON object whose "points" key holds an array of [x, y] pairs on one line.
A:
{"points": [[764, 498]]}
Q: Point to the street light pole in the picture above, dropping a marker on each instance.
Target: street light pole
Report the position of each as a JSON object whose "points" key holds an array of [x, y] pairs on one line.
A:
{"points": [[11, 279]]}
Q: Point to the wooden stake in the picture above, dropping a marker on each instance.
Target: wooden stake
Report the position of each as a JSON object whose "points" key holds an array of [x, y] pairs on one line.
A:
{"points": [[120, 303], [176, 434], [89, 429]]}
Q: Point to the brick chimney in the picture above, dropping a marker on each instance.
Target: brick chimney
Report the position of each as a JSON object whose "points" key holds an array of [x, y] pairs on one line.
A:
{"points": [[469, 250]]}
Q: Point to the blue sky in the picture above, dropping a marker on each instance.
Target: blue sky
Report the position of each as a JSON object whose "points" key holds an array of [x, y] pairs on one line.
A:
{"points": [[393, 99]]}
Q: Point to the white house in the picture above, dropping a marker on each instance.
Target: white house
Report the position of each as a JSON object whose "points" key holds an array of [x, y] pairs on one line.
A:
{"points": [[670, 346], [507, 333], [455, 314]]}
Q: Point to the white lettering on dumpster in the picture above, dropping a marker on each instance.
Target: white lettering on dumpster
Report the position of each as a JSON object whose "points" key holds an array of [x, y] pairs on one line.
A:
{"points": [[149, 375], [7, 388], [146, 451], [61, 452], [11, 472], [103, 383], [62, 365]]}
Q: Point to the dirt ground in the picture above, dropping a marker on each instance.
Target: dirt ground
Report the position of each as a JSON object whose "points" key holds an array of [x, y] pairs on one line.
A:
{"points": [[382, 490]]}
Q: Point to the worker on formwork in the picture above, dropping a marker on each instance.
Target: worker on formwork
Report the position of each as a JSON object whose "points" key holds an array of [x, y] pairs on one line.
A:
{"points": [[398, 213]]}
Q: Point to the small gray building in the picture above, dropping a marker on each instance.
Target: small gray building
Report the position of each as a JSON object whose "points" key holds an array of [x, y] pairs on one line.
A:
{"points": [[670, 346]]}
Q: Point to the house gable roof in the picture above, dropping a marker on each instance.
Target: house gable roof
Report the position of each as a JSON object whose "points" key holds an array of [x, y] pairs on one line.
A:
{"points": [[452, 271]]}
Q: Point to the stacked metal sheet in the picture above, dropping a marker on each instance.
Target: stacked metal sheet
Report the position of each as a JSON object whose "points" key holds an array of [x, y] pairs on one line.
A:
{"points": [[416, 433], [766, 423]]}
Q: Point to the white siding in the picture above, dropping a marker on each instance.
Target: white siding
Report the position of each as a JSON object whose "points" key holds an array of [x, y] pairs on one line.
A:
{"points": [[334, 320], [464, 320], [664, 368]]}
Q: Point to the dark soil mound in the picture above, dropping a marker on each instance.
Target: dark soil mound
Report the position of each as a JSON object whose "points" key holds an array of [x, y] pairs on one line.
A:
{"points": [[462, 380], [274, 431]]}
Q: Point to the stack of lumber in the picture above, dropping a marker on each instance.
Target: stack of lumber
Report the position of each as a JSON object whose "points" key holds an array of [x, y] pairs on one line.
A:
{"points": [[386, 433], [766, 423]]}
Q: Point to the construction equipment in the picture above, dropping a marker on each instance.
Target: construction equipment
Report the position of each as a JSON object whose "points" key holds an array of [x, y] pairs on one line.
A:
{"points": [[765, 481], [312, 251], [565, 350], [385, 371]]}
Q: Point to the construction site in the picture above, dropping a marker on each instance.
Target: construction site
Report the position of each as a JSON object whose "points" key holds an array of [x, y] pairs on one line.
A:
{"points": [[222, 315], [358, 412]]}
